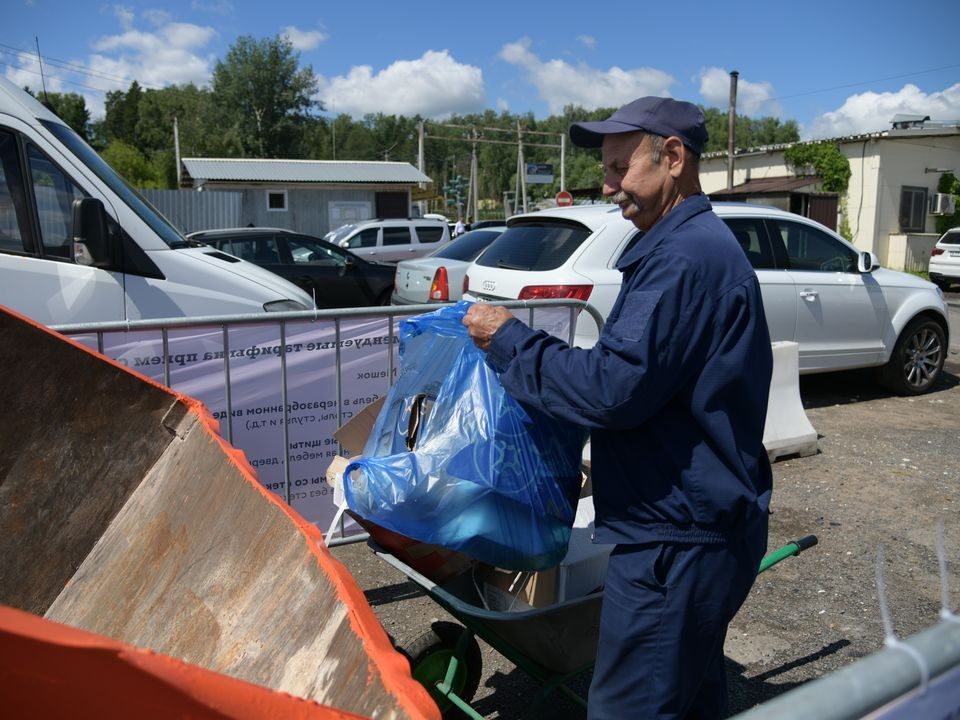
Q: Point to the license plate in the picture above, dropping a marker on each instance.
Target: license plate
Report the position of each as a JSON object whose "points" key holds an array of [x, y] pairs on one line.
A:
{"points": [[955, 253]]}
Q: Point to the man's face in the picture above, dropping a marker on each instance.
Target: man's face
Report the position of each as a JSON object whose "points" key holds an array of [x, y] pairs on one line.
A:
{"points": [[632, 180]]}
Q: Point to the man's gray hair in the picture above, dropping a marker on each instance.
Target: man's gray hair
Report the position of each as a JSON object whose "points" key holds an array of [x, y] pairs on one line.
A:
{"points": [[656, 149]]}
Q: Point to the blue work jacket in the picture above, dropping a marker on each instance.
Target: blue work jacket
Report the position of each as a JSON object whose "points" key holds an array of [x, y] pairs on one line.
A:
{"points": [[675, 390]]}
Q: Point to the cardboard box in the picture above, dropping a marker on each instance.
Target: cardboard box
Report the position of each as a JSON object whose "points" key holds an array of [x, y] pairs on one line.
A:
{"points": [[517, 590], [353, 434], [584, 567]]}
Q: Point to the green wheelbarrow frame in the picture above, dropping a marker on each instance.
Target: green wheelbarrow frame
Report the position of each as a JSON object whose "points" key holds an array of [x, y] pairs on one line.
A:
{"points": [[553, 645]]}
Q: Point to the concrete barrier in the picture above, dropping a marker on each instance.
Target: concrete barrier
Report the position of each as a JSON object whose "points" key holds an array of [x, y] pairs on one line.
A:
{"points": [[787, 430], [124, 513]]}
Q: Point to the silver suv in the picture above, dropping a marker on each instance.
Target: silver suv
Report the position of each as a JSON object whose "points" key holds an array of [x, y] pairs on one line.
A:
{"points": [[835, 301], [391, 240]]}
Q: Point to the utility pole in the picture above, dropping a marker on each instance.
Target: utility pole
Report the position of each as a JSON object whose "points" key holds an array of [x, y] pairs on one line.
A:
{"points": [[731, 127], [176, 148], [420, 166]]}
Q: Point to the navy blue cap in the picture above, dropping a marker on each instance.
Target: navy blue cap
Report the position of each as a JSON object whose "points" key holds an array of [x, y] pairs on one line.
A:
{"points": [[657, 115]]}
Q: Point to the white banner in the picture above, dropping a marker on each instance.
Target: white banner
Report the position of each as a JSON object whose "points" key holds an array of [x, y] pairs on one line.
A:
{"points": [[197, 369]]}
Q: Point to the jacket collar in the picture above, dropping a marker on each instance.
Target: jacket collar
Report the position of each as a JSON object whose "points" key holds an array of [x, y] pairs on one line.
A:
{"points": [[645, 242]]}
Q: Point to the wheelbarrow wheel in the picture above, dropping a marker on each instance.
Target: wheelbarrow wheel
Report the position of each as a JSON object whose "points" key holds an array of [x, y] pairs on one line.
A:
{"points": [[430, 656]]}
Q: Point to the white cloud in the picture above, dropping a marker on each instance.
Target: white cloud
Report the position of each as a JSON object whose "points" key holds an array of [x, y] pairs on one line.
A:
{"points": [[124, 15], [559, 83], [872, 112], [588, 41], [170, 53], [304, 39], [753, 99], [157, 17], [433, 86], [224, 7]]}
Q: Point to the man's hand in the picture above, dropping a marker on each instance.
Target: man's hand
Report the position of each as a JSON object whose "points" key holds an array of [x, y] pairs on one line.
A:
{"points": [[483, 321]]}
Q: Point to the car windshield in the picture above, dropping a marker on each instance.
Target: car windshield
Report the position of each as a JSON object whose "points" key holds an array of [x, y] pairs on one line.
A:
{"points": [[467, 246], [534, 247], [340, 233], [134, 200], [951, 238]]}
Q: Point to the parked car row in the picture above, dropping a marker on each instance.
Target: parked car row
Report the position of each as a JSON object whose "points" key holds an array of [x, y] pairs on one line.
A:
{"points": [[836, 302], [335, 277]]}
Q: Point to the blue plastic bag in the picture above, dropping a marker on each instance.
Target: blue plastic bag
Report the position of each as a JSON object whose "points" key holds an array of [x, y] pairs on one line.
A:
{"points": [[488, 477]]}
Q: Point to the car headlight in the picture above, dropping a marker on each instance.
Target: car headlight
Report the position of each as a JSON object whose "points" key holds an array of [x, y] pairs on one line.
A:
{"points": [[284, 306]]}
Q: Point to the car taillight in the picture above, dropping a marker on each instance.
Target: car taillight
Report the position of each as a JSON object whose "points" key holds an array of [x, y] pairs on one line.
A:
{"points": [[466, 284], [544, 292], [439, 289], [936, 251]]}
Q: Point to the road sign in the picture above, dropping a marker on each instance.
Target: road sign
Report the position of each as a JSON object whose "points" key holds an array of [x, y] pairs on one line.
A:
{"points": [[564, 198]]}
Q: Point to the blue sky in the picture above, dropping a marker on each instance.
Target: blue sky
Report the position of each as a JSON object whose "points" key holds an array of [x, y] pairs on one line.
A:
{"points": [[837, 68]]}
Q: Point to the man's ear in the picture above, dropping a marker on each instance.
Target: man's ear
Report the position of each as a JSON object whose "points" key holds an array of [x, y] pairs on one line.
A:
{"points": [[673, 152]]}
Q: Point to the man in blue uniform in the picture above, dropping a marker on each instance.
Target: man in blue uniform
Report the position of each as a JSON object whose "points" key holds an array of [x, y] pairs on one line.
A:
{"points": [[675, 393]]}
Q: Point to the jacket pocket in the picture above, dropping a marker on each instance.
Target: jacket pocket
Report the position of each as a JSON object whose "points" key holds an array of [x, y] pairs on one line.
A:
{"points": [[638, 308]]}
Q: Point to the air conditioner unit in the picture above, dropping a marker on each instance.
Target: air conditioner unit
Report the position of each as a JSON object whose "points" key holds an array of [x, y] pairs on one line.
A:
{"points": [[943, 204]]}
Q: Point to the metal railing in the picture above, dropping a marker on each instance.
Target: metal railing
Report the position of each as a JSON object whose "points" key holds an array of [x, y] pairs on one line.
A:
{"points": [[339, 317]]}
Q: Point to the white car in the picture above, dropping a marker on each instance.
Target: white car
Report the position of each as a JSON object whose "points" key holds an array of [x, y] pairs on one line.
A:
{"points": [[391, 240], [438, 277], [944, 266], [836, 302]]}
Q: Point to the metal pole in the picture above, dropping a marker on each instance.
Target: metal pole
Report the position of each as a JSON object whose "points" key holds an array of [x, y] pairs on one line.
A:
{"points": [[176, 148], [523, 167], [731, 126], [563, 161], [474, 185], [422, 204]]}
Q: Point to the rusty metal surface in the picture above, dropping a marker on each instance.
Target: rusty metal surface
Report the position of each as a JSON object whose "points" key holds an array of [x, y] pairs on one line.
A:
{"points": [[198, 565], [180, 549], [69, 458]]}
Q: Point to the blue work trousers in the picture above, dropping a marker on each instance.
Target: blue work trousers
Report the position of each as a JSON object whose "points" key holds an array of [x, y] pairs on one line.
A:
{"points": [[666, 607]]}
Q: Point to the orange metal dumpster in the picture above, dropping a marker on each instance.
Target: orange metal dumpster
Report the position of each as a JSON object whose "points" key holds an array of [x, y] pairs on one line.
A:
{"points": [[124, 513]]}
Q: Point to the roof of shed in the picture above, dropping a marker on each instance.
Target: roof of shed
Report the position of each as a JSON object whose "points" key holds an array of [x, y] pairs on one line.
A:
{"points": [[326, 171], [784, 184]]}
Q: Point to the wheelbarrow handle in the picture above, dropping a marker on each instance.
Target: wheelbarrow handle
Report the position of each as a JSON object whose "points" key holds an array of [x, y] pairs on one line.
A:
{"points": [[791, 548]]}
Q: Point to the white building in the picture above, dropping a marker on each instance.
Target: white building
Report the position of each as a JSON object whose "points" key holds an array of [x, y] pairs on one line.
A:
{"points": [[891, 196]]}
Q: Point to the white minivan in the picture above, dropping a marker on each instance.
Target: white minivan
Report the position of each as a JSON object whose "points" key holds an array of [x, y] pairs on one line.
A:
{"points": [[79, 245]]}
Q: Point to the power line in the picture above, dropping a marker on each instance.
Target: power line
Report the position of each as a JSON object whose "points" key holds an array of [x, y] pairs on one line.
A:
{"points": [[865, 82], [63, 80], [71, 67]]}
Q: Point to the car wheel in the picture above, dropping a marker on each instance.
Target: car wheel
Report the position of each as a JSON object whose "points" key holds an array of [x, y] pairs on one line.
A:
{"points": [[917, 358]]}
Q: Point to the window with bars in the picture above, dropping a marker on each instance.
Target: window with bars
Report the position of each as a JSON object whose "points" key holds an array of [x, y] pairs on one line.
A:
{"points": [[913, 209]]}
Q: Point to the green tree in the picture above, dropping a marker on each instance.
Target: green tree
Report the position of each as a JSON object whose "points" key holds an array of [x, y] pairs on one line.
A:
{"points": [[133, 165], [825, 160], [69, 107], [122, 113], [265, 97], [832, 167], [748, 132]]}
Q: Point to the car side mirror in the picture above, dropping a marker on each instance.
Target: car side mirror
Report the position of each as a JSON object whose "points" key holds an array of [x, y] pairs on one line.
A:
{"points": [[91, 237], [867, 262]]}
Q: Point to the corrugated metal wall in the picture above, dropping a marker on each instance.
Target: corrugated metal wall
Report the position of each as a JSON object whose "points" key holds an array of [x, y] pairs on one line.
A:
{"points": [[189, 210], [308, 209]]}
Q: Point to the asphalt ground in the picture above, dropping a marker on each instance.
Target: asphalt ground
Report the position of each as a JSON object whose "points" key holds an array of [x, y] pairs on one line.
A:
{"points": [[886, 472]]}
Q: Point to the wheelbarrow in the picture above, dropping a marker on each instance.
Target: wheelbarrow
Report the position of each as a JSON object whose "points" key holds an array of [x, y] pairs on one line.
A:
{"points": [[553, 644]]}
